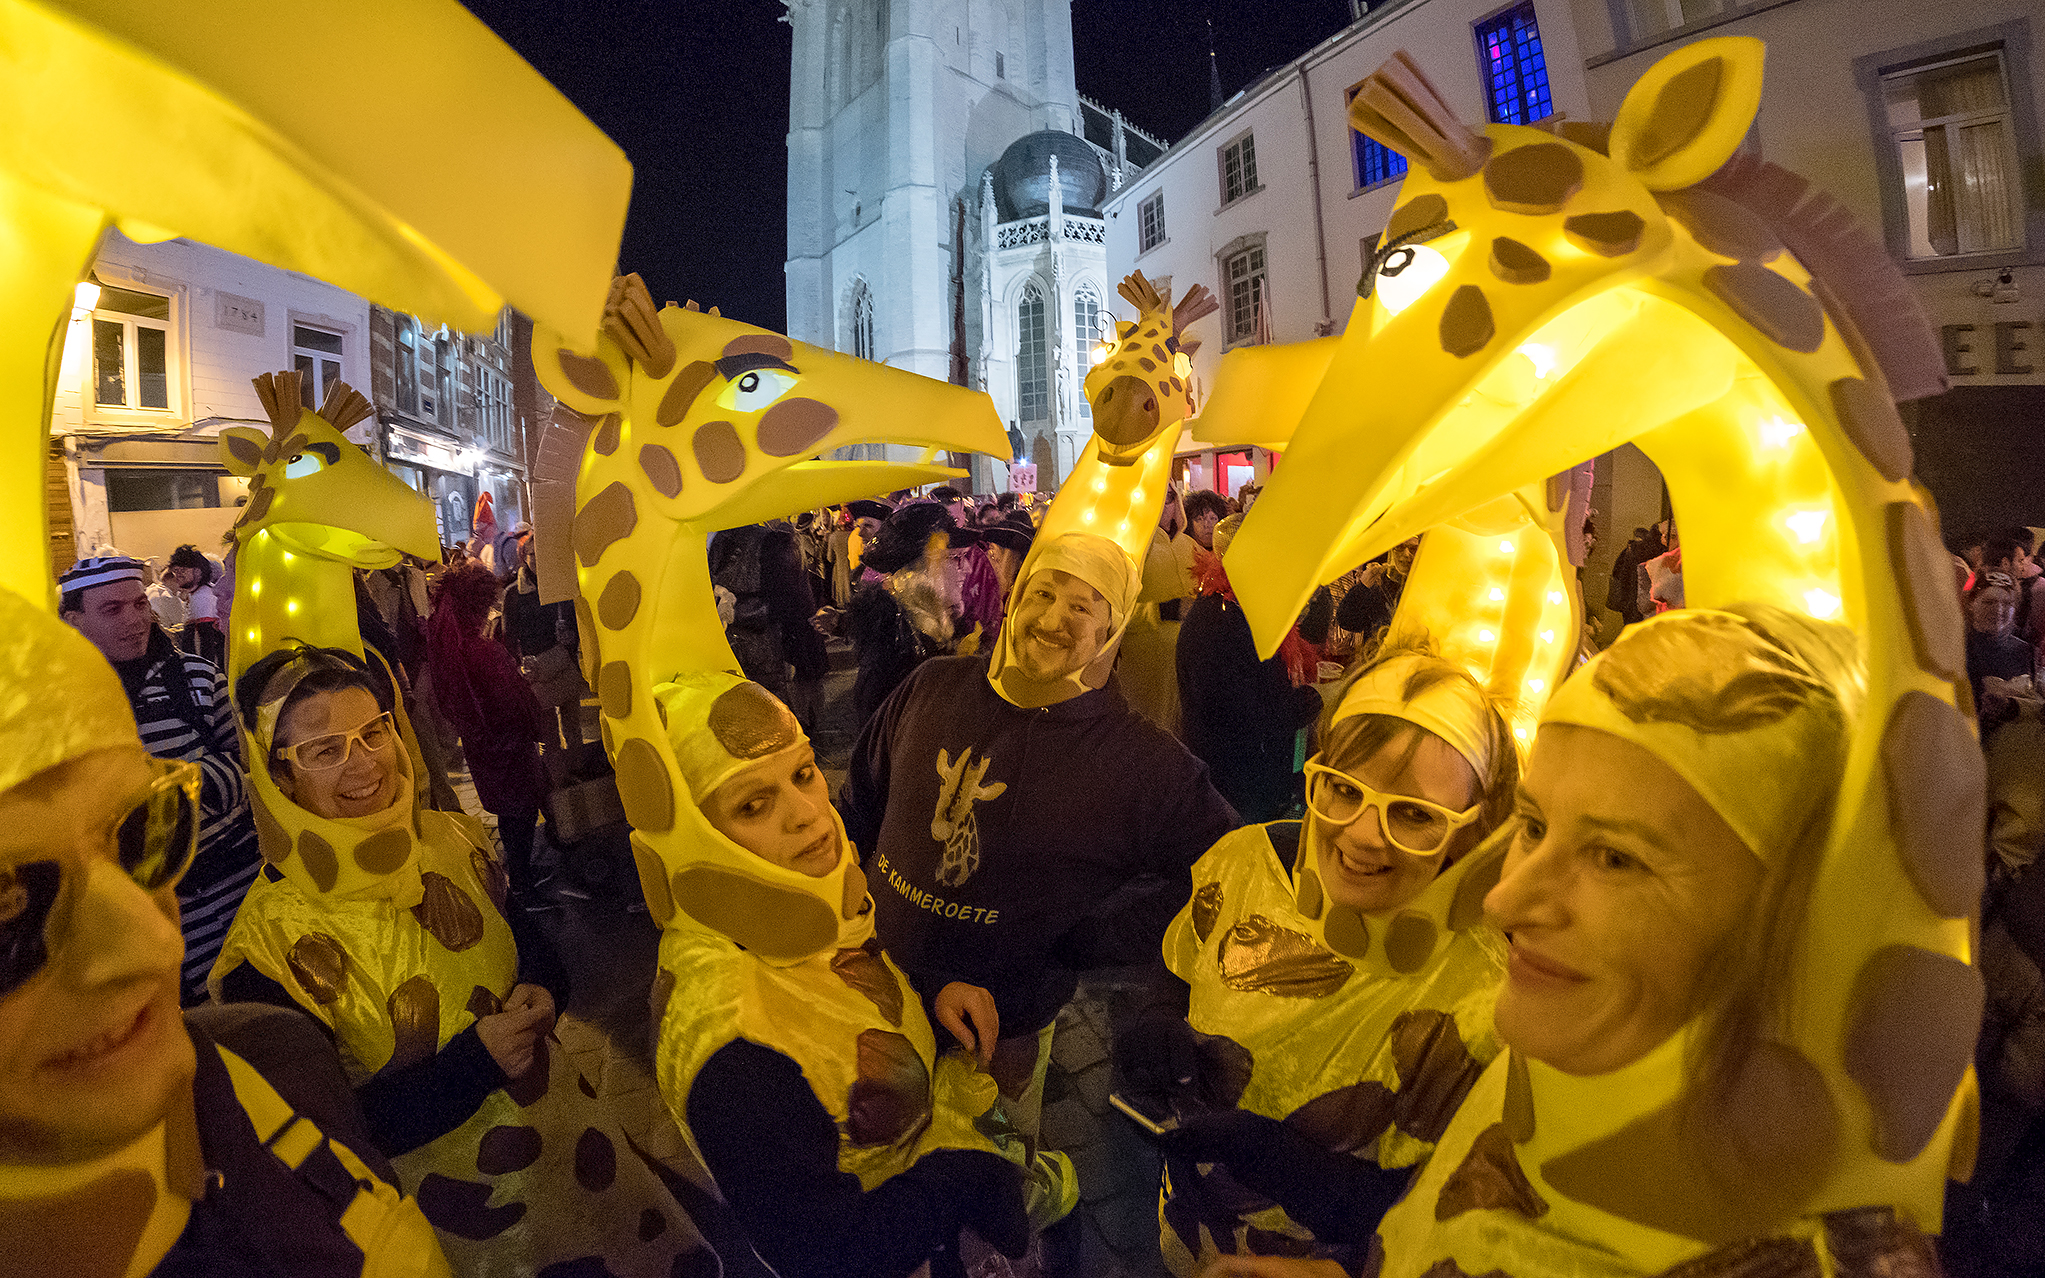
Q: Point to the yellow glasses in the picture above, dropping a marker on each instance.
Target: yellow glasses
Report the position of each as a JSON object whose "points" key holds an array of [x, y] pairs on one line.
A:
{"points": [[1416, 827], [330, 750]]}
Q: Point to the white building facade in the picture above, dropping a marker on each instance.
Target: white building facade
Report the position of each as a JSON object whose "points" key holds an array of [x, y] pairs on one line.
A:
{"points": [[906, 246], [156, 362]]}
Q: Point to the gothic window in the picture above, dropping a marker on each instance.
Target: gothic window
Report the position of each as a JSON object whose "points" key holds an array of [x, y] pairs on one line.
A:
{"points": [[862, 321], [1032, 370], [1086, 334]]}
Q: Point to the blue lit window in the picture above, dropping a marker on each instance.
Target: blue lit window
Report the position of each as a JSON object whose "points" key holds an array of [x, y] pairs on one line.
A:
{"points": [[1515, 72], [1375, 162]]}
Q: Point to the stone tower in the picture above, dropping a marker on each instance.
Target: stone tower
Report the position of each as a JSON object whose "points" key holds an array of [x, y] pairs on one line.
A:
{"points": [[897, 109]]}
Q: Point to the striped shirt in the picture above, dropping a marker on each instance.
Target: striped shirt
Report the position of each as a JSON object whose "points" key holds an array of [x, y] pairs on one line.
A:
{"points": [[196, 722]]}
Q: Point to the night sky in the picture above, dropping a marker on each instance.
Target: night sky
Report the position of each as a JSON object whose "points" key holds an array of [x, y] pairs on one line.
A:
{"points": [[697, 95]]}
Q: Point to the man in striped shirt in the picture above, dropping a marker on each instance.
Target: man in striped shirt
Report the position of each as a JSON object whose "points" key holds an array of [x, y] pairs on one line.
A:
{"points": [[181, 706]]}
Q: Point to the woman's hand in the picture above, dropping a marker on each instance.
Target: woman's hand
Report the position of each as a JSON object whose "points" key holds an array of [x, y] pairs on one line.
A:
{"points": [[1271, 1267], [513, 1034], [959, 1003]]}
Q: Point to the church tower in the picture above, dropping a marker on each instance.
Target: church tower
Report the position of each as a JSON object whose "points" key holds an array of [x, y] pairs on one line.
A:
{"points": [[899, 113]]}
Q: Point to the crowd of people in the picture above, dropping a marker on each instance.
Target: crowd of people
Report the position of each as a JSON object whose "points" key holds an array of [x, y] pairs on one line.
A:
{"points": [[1350, 891]]}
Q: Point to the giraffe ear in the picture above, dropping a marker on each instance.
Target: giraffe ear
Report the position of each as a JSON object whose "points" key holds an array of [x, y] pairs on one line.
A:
{"points": [[241, 449], [1684, 119], [592, 385]]}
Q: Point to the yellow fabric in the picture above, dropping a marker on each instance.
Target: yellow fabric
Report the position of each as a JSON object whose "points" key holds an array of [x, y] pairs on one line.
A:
{"points": [[387, 1225], [1451, 709], [168, 1214], [1306, 1046], [1758, 780], [385, 943], [704, 763], [59, 698]]}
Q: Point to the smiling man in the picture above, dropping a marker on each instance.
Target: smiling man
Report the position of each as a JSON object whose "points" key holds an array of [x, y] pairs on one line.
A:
{"points": [[180, 704], [1000, 802], [128, 1143]]}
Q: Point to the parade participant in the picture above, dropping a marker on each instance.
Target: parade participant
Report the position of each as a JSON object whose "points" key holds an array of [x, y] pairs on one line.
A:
{"points": [[792, 1052], [1003, 801], [913, 611], [386, 923], [479, 691], [130, 1144], [180, 703], [1340, 978], [194, 576], [1994, 648], [543, 639], [1008, 538]]}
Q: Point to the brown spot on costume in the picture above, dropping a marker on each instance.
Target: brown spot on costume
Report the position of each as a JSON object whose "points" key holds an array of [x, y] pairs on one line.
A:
{"points": [[1937, 801], [1257, 955], [447, 913], [891, 1096], [319, 965], [1489, 1179], [866, 971]]}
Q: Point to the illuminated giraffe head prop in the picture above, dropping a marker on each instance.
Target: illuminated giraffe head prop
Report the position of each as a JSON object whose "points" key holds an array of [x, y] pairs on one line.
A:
{"points": [[1544, 296], [318, 509], [1140, 384], [696, 423]]}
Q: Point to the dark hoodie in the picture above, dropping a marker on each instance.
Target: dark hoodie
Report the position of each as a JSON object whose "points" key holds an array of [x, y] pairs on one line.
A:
{"points": [[993, 835]]}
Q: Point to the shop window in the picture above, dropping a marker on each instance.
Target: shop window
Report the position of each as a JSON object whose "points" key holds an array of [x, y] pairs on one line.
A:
{"points": [[1953, 133], [1244, 276], [1032, 374], [1239, 169], [131, 347], [316, 354], [161, 488], [1150, 223], [1514, 68]]}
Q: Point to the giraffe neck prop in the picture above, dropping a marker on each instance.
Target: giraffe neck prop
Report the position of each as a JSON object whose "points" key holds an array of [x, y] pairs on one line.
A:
{"points": [[1139, 392], [696, 423], [1542, 296]]}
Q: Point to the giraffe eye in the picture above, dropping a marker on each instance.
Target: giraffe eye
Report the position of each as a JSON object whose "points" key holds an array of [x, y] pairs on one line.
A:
{"points": [[302, 464], [754, 389], [1406, 273]]}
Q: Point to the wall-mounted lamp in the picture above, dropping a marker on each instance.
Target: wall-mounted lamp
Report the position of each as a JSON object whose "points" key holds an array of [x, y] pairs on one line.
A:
{"points": [[2003, 288]]}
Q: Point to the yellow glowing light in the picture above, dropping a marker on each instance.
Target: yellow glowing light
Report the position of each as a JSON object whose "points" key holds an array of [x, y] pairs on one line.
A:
{"points": [[1101, 484], [1541, 357], [256, 587], [1535, 685], [1776, 433], [1087, 516], [1808, 525], [291, 605], [1485, 636], [1102, 352], [252, 636], [1497, 595], [84, 299], [1547, 636], [1555, 596], [1504, 547], [1521, 733], [1822, 604]]}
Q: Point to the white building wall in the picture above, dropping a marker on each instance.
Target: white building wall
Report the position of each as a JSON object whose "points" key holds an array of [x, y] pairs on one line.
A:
{"points": [[211, 366], [1312, 248]]}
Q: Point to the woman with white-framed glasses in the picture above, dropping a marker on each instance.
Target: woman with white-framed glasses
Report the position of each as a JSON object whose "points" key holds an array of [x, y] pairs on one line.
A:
{"points": [[386, 922], [1338, 976]]}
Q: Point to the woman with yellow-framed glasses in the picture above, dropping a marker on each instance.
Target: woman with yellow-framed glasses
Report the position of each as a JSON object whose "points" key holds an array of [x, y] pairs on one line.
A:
{"points": [[1338, 976]]}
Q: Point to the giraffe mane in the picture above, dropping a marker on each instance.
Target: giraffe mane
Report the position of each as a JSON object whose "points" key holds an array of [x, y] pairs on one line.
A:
{"points": [[279, 395], [631, 320], [1857, 279], [1197, 304], [1140, 292], [1399, 107]]}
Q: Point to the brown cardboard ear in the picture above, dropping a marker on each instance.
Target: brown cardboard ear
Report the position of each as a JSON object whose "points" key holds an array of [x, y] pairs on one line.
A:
{"points": [[241, 449]]}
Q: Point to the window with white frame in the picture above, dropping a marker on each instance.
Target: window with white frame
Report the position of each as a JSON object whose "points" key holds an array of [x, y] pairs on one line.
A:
{"points": [[493, 410], [1239, 168], [131, 350], [1650, 18], [1243, 276], [862, 320], [1032, 371], [1150, 223], [316, 354], [1086, 334], [1950, 123]]}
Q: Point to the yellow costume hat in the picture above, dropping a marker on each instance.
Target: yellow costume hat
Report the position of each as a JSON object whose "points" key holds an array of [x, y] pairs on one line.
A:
{"points": [[1453, 709], [718, 725], [1099, 563], [59, 698]]}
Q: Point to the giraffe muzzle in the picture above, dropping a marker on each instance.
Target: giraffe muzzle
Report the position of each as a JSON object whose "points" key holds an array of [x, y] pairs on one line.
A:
{"points": [[1127, 411]]}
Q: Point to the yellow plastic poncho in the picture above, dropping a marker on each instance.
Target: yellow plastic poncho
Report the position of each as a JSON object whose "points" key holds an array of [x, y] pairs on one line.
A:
{"points": [[1362, 1032], [390, 930]]}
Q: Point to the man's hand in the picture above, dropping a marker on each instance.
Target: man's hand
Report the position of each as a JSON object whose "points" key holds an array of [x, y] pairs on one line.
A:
{"points": [[1373, 574], [512, 1036], [958, 1004]]}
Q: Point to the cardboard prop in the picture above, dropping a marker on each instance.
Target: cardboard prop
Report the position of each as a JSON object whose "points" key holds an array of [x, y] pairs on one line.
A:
{"points": [[1361, 1032], [1542, 295], [121, 1213], [1099, 526], [161, 122]]}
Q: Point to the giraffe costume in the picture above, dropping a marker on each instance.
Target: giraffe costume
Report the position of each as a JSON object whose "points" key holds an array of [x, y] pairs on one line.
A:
{"points": [[389, 929], [1545, 294], [685, 423]]}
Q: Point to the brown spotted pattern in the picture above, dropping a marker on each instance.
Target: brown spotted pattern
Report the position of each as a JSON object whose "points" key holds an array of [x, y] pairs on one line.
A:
{"points": [[643, 785], [483, 1003], [1435, 1069], [1310, 898], [775, 922], [865, 971], [596, 1161], [719, 453], [1466, 910], [890, 1098], [1489, 1179], [415, 1022], [607, 518], [385, 850], [795, 426], [604, 439], [1346, 1120], [681, 393], [447, 913], [1613, 234], [1909, 1039], [1515, 263], [653, 885], [1206, 910], [662, 470], [1518, 1116], [1409, 941], [1937, 785], [319, 965], [614, 689], [1681, 110], [1534, 180], [1466, 324], [1783, 312], [750, 723], [1722, 226], [1868, 416], [1925, 572], [462, 1207], [619, 601], [505, 1149], [319, 859], [491, 874], [1416, 214], [1259, 957], [590, 376]]}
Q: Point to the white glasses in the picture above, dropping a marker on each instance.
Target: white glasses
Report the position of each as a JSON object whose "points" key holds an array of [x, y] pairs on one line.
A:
{"points": [[1414, 826]]}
